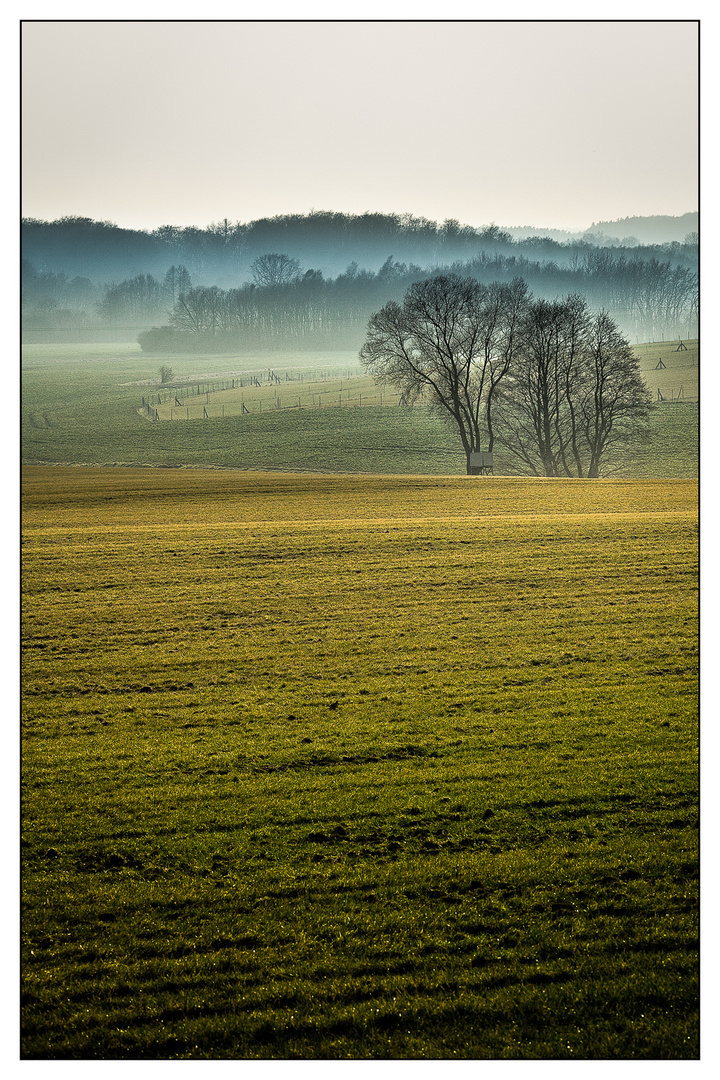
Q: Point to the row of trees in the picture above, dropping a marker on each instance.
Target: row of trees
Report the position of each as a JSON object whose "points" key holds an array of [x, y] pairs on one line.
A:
{"points": [[285, 305], [648, 297], [282, 302], [49, 299], [554, 384]]}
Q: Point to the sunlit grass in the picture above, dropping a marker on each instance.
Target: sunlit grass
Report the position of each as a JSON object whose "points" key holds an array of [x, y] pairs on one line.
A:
{"points": [[358, 766]]}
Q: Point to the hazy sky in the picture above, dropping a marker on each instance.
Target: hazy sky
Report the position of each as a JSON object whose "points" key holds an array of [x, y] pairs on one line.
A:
{"points": [[554, 124]]}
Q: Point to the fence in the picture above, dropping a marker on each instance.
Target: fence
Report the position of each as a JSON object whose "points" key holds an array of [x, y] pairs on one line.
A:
{"points": [[193, 401], [677, 395], [268, 377]]}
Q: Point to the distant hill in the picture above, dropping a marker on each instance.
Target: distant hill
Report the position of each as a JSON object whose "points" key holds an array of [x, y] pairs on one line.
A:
{"points": [[658, 229], [523, 232]]}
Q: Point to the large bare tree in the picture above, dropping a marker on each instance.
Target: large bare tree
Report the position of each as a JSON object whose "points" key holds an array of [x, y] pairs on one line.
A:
{"points": [[615, 408], [451, 342], [574, 392]]}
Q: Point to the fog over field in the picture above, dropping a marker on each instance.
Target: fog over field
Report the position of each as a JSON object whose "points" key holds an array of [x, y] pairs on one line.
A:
{"points": [[313, 280], [321, 141]]}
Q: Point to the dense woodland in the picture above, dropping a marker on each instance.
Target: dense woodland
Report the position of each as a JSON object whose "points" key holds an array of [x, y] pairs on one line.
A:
{"points": [[314, 280]]}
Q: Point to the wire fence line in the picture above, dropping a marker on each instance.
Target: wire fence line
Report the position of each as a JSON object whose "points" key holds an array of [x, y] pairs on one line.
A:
{"points": [[269, 377], [206, 410], [681, 395], [343, 388], [268, 391]]}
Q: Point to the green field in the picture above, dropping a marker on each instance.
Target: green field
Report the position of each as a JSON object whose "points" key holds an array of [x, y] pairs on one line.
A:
{"points": [[672, 368], [350, 766], [83, 404]]}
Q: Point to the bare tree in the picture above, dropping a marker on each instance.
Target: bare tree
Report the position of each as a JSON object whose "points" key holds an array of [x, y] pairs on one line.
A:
{"points": [[614, 409], [274, 269], [176, 282], [139, 297], [504, 307], [573, 391], [536, 406], [451, 341], [202, 309]]}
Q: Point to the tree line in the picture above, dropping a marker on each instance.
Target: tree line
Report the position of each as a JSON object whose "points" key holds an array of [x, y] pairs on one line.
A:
{"points": [[301, 308], [222, 252], [272, 296], [285, 304]]}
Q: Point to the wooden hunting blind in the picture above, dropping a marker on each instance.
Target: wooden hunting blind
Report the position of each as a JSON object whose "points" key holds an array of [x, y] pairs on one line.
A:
{"points": [[480, 463]]}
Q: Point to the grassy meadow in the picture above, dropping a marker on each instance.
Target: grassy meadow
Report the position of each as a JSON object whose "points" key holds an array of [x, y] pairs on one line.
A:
{"points": [[672, 368], [83, 405], [345, 766]]}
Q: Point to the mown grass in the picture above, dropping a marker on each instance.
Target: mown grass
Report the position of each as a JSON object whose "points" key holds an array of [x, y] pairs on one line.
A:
{"points": [[358, 767], [80, 406]]}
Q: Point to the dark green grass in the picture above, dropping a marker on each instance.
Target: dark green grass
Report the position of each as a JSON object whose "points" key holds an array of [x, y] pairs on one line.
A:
{"points": [[84, 411], [358, 768]]}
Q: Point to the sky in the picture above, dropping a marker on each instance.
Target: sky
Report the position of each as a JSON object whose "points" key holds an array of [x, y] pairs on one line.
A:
{"points": [[555, 124]]}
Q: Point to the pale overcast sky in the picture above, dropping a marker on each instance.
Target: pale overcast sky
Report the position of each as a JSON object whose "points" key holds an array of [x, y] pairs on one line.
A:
{"points": [[554, 124]]}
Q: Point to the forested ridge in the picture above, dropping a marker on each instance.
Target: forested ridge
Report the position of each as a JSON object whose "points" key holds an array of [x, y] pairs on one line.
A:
{"points": [[214, 289]]}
